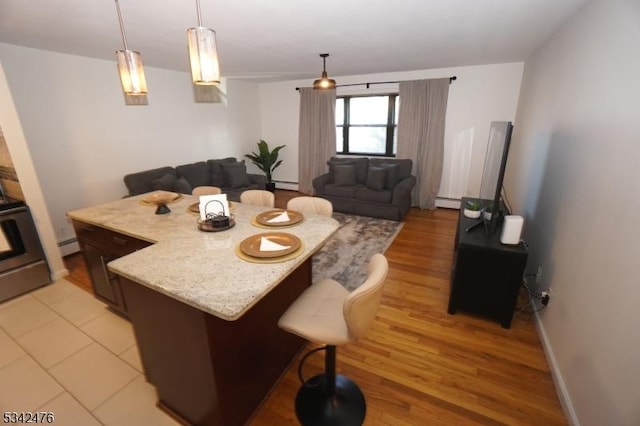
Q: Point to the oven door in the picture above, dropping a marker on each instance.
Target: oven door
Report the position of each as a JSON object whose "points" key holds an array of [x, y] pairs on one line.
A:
{"points": [[19, 242]]}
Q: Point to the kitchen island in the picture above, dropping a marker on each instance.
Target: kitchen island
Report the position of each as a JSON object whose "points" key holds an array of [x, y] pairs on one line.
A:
{"points": [[205, 320]]}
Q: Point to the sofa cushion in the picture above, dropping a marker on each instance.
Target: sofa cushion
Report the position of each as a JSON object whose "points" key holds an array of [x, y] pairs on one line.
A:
{"points": [[376, 178], [361, 163], [140, 182], [235, 174], [215, 168], [165, 182], [169, 182], [344, 174], [333, 190], [404, 165], [197, 174], [367, 194], [392, 175], [233, 194], [182, 186]]}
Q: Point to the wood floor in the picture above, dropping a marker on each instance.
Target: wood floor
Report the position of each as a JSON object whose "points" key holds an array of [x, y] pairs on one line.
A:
{"points": [[419, 365]]}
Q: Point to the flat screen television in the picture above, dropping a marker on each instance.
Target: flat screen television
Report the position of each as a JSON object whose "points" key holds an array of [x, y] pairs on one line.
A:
{"points": [[495, 164]]}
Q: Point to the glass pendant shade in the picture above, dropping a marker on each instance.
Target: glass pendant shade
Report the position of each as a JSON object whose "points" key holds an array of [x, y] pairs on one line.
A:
{"points": [[131, 72], [130, 66], [324, 82], [203, 56]]}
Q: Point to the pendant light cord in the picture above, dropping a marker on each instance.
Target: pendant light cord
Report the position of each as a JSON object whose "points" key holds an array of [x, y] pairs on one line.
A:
{"points": [[124, 37], [199, 14]]}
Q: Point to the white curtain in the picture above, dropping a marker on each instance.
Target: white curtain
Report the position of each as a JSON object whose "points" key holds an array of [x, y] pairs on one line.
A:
{"points": [[421, 120], [316, 135]]}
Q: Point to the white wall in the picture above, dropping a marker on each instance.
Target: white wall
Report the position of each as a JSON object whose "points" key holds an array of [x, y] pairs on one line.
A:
{"points": [[25, 170], [83, 139], [572, 173], [481, 94]]}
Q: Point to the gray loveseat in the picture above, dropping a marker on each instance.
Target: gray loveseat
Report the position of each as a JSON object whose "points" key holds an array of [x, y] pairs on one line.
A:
{"points": [[376, 187], [228, 174]]}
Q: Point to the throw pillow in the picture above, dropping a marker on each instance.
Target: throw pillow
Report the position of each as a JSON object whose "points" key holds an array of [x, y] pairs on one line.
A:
{"points": [[236, 174], [217, 175], [331, 163], [182, 186], [392, 175], [361, 163], [376, 178], [164, 183], [197, 174], [344, 174]]}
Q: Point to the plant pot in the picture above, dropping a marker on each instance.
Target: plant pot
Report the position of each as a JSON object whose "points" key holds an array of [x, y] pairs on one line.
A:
{"points": [[270, 186], [473, 214]]}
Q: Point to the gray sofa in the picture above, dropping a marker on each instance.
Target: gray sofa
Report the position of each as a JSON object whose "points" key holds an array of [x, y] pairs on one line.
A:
{"points": [[376, 187], [227, 173]]}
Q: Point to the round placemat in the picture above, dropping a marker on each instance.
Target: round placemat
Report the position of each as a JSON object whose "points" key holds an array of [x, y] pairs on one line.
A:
{"points": [[251, 245], [263, 218], [280, 259]]}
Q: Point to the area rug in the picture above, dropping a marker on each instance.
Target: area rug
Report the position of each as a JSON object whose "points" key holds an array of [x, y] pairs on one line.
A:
{"points": [[345, 256]]}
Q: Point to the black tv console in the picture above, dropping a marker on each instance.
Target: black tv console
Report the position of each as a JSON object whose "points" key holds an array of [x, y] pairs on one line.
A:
{"points": [[486, 274]]}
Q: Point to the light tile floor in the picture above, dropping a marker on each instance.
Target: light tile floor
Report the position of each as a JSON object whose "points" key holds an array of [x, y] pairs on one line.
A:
{"points": [[63, 351]]}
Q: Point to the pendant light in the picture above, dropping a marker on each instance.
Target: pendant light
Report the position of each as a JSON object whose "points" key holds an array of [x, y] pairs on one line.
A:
{"points": [[203, 53], [324, 82], [130, 66]]}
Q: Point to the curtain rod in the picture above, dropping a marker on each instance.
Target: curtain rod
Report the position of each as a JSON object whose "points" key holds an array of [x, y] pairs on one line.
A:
{"points": [[451, 80]]}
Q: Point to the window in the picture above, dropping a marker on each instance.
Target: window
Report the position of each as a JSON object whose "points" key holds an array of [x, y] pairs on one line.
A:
{"points": [[367, 125]]}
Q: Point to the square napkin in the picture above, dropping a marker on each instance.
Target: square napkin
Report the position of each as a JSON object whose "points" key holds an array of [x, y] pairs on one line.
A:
{"points": [[268, 245], [283, 217]]}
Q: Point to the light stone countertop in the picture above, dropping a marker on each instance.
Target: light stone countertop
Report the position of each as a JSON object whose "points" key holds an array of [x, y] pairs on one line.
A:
{"points": [[200, 268]]}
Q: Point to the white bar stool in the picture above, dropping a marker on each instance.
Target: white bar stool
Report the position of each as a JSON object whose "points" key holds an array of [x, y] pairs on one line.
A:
{"points": [[328, 314], [307, 204]]}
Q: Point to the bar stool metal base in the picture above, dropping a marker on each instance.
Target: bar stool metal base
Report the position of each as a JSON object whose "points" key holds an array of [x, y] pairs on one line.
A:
{"points": [[316, 406]]}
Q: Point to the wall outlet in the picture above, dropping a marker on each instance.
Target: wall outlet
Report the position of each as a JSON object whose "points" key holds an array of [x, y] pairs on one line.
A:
{"points": [[545, 297]]}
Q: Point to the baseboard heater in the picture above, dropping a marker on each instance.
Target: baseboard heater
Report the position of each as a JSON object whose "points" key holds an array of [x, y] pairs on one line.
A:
{"points": [[283, 184], [69, 246], [448, 203]]}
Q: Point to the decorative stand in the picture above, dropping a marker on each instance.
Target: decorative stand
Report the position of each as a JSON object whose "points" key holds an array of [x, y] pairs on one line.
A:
{"points": [[162, 209]]}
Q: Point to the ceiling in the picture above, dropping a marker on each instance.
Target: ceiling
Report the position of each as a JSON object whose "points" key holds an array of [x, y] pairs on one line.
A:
{"points": [[281, 39]]}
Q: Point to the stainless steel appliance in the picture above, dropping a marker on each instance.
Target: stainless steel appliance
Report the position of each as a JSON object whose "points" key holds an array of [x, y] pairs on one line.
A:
{"points": [[23, 266]]}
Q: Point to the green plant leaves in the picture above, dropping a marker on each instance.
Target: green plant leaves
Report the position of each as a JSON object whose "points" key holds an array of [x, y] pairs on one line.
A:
{"points": [[265, 159]]}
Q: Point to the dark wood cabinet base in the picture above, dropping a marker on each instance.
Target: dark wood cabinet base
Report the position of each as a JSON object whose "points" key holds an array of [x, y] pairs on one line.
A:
{"points": [[99, 247], [206, 370], [486, 274]]}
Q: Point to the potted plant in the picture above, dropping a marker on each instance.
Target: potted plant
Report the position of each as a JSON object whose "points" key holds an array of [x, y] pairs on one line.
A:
{"points": [[472, 209], [488, 212], [267, 161]]}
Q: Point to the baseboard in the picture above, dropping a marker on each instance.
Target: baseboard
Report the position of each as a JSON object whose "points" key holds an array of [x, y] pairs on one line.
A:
{"points": [[556, 375], [59, 273]]}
